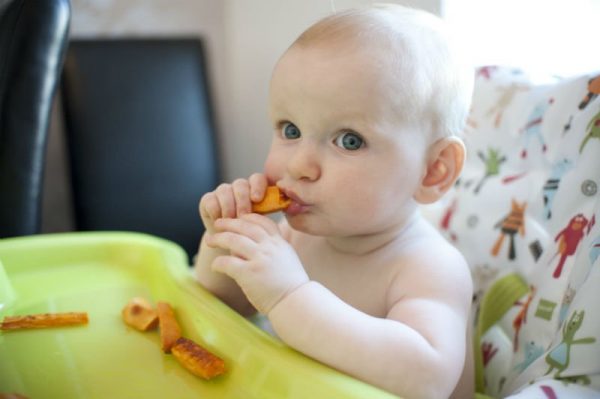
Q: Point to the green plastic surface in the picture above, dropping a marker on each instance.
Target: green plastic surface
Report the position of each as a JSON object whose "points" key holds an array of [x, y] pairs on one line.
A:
{"points": [[98, 273]]}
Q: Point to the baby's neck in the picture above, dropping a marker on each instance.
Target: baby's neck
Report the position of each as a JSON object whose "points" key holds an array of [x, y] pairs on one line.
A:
{"points": [[365, 244]]}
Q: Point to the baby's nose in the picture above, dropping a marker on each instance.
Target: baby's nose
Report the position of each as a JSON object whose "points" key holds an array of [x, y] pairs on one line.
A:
{"points": [[304, 164]]}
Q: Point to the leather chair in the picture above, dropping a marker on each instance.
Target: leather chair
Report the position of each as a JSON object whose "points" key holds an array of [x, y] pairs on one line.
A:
{"points": [[33, 37], [140, 136]]}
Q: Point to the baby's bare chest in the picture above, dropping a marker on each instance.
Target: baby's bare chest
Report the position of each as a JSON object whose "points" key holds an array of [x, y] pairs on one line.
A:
{"points": [[362, 282]]}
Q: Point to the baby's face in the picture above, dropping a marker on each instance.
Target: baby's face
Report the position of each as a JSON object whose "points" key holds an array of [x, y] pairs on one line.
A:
{"points": [[340, 149]]}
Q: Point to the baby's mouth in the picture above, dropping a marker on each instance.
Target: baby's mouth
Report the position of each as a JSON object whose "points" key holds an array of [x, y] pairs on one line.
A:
{"points": [[290, 194], [296, 208], [297, 205]]}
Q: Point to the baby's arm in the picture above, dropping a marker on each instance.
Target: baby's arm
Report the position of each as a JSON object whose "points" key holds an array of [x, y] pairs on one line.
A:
{"points": [[227, 201], [417, 351]]}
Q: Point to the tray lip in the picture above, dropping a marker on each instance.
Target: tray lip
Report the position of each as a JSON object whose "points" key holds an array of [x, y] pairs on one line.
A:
{"points": [[89, 236]]}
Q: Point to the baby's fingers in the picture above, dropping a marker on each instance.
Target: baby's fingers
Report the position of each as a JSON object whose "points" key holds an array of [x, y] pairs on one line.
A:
{"points": [[229, 265], [210, 209], [258, 186], [266, 224], [241, 192], [226, 199], [239, 245], [248, 225]]}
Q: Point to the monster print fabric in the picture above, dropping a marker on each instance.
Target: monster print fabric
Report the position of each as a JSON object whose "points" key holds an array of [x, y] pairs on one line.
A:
{"points": [[527, 204]]}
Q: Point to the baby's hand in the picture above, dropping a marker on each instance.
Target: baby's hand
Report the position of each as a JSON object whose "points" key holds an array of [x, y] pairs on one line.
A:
{"points": [[260, 260], [232, 200]]}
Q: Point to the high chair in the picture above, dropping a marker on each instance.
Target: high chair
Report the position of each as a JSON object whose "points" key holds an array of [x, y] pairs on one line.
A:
{"points": [[524, 213], [33, 38], [141, 139]]}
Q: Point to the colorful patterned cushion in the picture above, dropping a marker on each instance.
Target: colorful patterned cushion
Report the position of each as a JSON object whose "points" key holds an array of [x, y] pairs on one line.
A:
{"points": [[527, 205]]}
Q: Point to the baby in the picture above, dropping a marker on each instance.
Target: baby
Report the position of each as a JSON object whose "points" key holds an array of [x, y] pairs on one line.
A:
{"points": [[366, 106]]}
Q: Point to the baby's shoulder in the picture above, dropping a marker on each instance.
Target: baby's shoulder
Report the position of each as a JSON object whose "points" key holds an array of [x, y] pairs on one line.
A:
{"points": [[429, 249], [431, 266], [436, 258]]}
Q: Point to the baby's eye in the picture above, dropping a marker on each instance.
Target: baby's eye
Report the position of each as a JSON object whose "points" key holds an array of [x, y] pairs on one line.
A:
{"points": [[349, 141], [290, 131]]}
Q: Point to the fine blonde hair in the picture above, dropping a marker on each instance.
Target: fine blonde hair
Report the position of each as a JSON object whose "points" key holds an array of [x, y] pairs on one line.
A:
{"points": [[433, 78]]}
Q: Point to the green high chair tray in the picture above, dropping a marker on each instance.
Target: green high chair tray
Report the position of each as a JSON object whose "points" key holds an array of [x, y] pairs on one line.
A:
{"points": [[99, 273]]}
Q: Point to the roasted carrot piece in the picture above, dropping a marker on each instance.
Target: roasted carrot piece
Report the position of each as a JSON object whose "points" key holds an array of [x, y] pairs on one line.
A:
{"points": [[197, 359], [594, 85], [12, 396], [44, 320], [139, 314], [273, 201], [169, 327]]}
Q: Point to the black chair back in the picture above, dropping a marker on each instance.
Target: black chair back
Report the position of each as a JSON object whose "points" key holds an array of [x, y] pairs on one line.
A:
{"points": [[140, 134], [33, 37]]}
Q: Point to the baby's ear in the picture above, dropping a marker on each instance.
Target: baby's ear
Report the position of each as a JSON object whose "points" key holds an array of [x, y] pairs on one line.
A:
{"points": [[444, 163]]}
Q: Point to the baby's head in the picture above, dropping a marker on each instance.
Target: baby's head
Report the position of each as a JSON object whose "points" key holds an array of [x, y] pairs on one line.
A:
{"points": [[431, 80], [366, 106]]}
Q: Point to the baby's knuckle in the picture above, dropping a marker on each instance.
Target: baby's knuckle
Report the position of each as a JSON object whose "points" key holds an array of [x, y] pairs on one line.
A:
{"points": [[239, 183], [205, 198], [223, 188], [256, 177], [206, 205]]}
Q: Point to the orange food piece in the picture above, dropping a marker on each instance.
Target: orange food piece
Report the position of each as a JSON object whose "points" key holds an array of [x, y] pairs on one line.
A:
{"points": [[197, 359], [594, 85], [139, 314], [169, 327], [273, 201], [12, 396], [44, 320]]}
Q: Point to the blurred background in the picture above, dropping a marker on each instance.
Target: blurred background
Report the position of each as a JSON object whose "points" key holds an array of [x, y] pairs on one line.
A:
{"points": [[243, 40]]}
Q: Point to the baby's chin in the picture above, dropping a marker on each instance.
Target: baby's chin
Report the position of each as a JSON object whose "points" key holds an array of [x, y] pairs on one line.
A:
{"points": [[310, 224], [318, 226], [301, 224]]}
